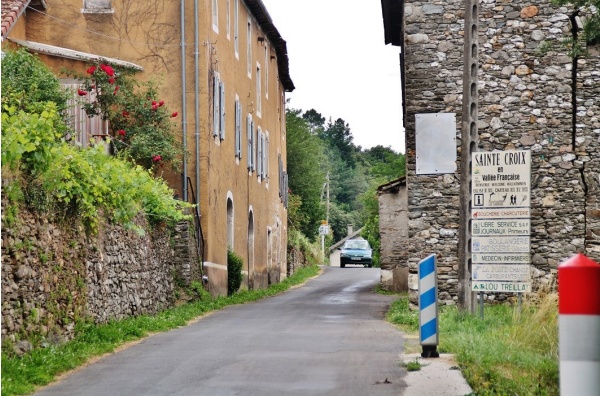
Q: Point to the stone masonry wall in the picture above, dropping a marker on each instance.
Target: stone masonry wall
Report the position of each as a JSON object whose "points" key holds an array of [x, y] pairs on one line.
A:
{"points": [[525, 103], [393, 230], [53, 274]]}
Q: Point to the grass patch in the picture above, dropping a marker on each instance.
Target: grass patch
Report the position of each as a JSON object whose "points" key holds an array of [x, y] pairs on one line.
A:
{"points": [[412, 365], [22, 374], [509, 352]]}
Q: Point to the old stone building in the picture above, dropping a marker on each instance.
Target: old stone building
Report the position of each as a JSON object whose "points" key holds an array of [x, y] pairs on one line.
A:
{"points": [[393, 231], [531, 96], [223, 66]]}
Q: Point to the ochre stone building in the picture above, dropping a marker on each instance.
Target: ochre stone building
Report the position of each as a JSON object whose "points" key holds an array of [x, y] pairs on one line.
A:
{"points": [[223, 66]]}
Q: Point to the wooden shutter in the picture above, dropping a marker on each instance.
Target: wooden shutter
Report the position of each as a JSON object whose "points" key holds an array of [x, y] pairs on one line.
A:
{"points": [[222, 110], [216, 103]]}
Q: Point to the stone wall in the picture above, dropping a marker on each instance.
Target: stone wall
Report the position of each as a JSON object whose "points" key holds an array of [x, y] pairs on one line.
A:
{"points": [[393, 230], [525, 103], [54, 274]]}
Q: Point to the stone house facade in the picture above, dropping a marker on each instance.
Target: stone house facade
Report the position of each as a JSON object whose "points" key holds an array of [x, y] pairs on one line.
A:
{"points": [[529, 98], [228, 81], [393, 232]]}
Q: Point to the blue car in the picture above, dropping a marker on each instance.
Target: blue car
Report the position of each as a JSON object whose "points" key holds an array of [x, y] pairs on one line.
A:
{"points": [[356, 251]]}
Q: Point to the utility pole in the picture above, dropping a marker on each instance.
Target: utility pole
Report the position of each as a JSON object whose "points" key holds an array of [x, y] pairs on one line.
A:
{"points": [[469, 143]]}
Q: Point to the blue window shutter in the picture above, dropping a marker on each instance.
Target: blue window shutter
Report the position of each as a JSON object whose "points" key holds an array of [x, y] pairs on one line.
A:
{"points": [[216, 103], [253, 147], [266, 156], [222, 110], [238, 129], [249, 139], [259, 152]]}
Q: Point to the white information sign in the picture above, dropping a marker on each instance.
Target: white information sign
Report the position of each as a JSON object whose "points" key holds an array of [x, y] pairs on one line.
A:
{"points": [[324, 230], [501, 227], [501, 213], [498, 258], [501, 287], [501, 179], [517, 244], [501, 272]]}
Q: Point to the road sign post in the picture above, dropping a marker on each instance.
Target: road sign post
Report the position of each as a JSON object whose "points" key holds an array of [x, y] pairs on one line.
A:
{"points": [[500, 222], [428, 307]]}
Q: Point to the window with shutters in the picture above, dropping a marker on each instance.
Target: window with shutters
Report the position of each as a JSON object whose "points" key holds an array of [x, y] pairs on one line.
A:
{"points": [[86, 129], [97, 7], [218, 88], [259, 153], [266, 156], [222, 110], [215, 15], [258, 91], [250, 139], [236, 28], [249, 48], [228, 28], [267, 71], [238, 128]]}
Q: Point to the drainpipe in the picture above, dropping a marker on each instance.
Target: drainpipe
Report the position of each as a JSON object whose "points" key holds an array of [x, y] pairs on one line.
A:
{"points": [[197, 106], [184, 191]]}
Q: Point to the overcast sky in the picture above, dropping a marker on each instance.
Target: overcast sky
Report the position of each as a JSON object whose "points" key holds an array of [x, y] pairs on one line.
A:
{"points": [[341, 66]]}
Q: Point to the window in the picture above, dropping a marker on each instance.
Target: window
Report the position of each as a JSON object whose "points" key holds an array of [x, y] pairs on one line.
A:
{"points": [[218, 107], [236, 28], [228, 19], [85, 127], [267, 71], [250, 139], [238, 128], [97, 7], [258, 91], [259, 153], [249, 49], [215, 15], [266, 156]]}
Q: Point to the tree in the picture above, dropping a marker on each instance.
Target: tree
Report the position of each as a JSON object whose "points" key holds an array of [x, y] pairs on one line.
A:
{"points": [[589, 10], [306, 179], [315, 120]]}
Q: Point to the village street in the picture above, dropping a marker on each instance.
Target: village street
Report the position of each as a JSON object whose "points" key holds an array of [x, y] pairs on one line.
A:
{"points": [[328, 336]]}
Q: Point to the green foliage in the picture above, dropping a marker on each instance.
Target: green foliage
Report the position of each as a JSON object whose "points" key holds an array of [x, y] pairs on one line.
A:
{"points": [[22, 374], [79, 182], [28, 85], [509, 352], [235, 264], [311, 250], [88, 181], [140, 122], [590, 11], [304, 155], [28, 138], [413, 365]]}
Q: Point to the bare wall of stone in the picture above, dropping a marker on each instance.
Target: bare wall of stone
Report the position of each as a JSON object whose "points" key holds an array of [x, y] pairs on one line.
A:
{"points": [[393, 231], [525, 103], [54, 274]]}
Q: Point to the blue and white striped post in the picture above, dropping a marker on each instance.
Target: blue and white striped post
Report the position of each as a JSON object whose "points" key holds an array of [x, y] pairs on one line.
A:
{"points": [[428, 307]]}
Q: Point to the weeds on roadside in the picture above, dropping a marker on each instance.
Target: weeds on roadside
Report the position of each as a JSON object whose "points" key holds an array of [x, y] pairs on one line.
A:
{"points": [[511, 351]]}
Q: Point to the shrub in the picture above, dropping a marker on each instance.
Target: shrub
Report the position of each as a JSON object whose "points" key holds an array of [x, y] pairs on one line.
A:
{"points": [[234, 272], [140, 122]]}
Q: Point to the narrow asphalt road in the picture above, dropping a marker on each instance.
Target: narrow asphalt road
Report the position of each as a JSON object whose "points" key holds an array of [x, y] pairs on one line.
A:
{"points": [[328, 337]]}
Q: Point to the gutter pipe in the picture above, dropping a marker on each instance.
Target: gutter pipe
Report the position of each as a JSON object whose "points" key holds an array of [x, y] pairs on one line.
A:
{"points": [[197, 105], [184, 191]]}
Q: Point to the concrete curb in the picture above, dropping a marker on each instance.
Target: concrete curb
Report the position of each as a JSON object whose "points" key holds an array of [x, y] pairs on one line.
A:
{"points": [[437, 376]]}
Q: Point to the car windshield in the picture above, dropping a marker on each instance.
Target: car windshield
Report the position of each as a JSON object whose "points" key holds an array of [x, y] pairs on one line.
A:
{"points": [[361, 245]]}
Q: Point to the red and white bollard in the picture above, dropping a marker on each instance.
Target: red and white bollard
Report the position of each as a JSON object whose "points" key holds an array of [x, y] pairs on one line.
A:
{"points": [[579, 326]]}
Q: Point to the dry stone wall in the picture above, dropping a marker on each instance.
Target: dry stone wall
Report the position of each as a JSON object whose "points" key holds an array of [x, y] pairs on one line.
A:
{"points": [[54, 274], [525, 103]]}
